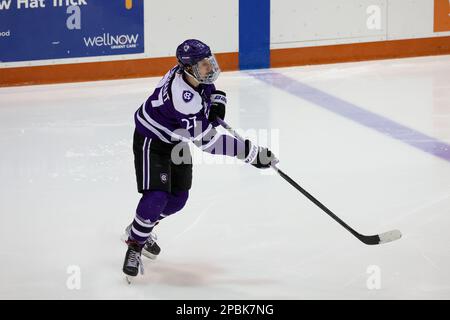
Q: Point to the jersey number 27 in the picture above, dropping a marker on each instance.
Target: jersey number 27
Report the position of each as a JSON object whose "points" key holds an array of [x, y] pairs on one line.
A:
{"points": [[188, 123]]}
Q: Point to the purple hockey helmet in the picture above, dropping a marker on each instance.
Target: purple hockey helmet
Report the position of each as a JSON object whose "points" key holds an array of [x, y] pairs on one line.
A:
{"points": [[193, 51]]}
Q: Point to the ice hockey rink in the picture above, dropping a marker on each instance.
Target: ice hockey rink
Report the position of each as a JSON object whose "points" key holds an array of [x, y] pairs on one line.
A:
{"points": [[371, 140]]}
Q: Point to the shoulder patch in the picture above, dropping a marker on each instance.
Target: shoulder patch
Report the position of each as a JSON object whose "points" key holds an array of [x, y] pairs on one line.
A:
{"points": [[187, 96], [185, 99]]}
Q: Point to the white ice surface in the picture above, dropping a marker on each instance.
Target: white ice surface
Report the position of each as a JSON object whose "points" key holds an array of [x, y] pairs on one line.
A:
{"points": [[67, 191]]}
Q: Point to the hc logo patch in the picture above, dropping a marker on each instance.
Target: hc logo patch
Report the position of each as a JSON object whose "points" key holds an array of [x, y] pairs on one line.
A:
{"points": [[163, 177], [187, 96]]}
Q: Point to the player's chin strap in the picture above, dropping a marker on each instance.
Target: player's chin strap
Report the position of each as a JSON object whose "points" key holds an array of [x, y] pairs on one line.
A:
{"points": [[191, 76], [370, 240]]}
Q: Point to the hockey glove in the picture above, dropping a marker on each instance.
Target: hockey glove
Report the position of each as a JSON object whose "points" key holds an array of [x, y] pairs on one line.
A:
{"points": [[218, 103], [259, 157]]}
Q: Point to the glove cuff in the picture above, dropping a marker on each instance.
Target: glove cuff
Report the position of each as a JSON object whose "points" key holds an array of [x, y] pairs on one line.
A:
{"points": [[219, 97], [252, 153]]}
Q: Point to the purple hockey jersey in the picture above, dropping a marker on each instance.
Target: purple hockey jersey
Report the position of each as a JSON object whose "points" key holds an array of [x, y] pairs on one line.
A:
{"points": [[178, 112]]}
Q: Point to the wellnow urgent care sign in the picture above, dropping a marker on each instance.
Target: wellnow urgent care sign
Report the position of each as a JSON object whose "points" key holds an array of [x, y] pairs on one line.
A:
{"points": [[56, 29]]}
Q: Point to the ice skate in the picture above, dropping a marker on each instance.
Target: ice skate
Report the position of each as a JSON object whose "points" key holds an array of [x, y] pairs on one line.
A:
{"points": [[132, 263], [151, 249]]}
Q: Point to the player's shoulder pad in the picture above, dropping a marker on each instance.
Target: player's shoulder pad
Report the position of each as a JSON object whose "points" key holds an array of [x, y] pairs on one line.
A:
{"points": [[185, 99]]}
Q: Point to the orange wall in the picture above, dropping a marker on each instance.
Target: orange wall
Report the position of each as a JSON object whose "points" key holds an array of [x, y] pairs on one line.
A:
{"points": [[360, 51], [123, 69], [91, 71]]}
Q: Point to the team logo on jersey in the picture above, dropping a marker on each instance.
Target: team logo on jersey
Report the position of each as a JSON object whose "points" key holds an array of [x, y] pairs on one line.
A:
{"points": [[187, 96], [163, 177]]}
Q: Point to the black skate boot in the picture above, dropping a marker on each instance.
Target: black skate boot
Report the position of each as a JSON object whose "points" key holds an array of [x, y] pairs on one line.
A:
{"points": [[151, 249], [132, 263]]}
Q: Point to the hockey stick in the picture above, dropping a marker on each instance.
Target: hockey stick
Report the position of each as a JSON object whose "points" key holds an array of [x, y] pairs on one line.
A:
{"points": [[370, 240]]}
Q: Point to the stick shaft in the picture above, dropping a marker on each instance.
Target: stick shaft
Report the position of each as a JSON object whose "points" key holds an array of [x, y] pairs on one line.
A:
{"points": [[297, 186]]}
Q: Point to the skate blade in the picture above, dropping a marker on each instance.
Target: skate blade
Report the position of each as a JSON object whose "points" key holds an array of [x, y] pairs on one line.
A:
{"points": [[124, 238], [149, 255], [129, 279]]}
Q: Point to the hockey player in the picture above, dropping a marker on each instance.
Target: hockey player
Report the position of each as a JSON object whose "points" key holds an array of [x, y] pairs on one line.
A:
{"points": [[183, 107]]}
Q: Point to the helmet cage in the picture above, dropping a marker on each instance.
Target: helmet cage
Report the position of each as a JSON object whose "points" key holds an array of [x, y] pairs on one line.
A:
{"points": [[211, 76]]}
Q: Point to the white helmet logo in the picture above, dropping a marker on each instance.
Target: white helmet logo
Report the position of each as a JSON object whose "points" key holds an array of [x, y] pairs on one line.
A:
{"points": [[186, 47]]}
